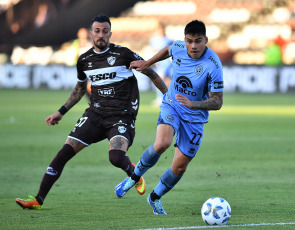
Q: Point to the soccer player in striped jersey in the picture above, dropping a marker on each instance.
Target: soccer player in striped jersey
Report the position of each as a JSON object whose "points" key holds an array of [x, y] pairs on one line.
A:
{"points": [[112, 112], [196, 87]]}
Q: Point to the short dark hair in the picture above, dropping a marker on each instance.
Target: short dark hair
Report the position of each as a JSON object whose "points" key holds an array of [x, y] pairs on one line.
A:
{"points": [[101, 18], [195, 27]]}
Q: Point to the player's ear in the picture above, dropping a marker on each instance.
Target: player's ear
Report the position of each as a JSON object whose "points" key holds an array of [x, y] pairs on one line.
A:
{"points": [[206, 40], [111, 33]]}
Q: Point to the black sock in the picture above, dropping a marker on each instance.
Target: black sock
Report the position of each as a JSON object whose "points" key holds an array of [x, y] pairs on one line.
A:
{"points": [[135, 177], [39, 199], [154, 196], [54, 171]]}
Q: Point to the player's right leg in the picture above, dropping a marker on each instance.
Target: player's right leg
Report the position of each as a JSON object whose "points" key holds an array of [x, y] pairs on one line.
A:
{"points": [[156, 205]]}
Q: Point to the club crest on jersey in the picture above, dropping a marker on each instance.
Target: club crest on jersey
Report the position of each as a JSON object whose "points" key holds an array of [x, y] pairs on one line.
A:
{"points": [[122, 129], [90, 64], [198, 70], [111, 60]]}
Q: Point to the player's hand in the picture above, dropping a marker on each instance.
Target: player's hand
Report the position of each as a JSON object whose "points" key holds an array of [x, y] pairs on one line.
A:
{"points": [[183, 100], [139, 65], [54, 118]]}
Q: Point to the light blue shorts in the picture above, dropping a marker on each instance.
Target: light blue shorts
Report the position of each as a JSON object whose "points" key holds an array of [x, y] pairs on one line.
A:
{"points": [[188, 135]]}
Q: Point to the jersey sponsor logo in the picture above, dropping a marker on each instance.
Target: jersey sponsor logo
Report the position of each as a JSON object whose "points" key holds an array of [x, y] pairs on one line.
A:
{"points": [[179, 45], [111, 60], [214, 62], [218, 85], [103, 76], [198, 70], [106, 92], [184, 83]]}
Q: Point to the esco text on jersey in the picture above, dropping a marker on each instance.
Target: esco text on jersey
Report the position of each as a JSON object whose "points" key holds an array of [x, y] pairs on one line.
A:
{"points": [[104, 76]]}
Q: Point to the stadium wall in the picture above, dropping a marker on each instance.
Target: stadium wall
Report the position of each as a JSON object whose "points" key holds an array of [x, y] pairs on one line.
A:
{"points": [[237, 78]]}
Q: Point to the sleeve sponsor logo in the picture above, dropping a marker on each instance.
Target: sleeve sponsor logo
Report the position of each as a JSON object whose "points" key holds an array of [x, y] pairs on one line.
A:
{"points": [[218, 85], [214, 62]]}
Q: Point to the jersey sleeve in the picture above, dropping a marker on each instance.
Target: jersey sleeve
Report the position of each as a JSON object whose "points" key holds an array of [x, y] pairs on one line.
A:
{"points": [[215, 83], [131, 56], [81, 75], [176, 47]]}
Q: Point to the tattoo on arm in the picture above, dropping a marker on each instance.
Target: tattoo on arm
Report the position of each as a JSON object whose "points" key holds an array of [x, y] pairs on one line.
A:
{"points": [[156, 79], [213, 103], [76, 94]]}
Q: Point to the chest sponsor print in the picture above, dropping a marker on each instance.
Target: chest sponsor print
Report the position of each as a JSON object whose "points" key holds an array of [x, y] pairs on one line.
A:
{"points": [[106, 92]]}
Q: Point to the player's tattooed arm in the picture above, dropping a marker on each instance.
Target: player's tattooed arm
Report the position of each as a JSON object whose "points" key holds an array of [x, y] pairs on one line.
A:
{"points": [[156, 79], [76, 95], [214, 102]]}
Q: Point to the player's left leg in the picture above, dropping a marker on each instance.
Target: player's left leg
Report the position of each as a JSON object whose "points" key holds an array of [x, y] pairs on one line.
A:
{"points": [[118, 157], [188, 140], [168, 180]]}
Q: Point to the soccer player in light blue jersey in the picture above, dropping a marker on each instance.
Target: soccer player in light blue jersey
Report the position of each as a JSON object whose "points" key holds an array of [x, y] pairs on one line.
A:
{"points": [[196, 87]]}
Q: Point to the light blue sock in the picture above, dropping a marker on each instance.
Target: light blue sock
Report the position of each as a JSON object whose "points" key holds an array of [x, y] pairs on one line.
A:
{"points": [[148, 159], [167, 182]]}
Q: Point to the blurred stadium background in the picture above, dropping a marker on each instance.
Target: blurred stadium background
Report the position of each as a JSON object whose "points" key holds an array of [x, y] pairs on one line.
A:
{"points": [[255, 40]]}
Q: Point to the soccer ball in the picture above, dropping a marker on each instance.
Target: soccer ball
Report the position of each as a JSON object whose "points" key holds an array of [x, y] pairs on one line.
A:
{"points": [[216, 211]]}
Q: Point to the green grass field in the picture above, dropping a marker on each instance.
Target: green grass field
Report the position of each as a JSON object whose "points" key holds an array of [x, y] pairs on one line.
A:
{"points": [[247, 157]]}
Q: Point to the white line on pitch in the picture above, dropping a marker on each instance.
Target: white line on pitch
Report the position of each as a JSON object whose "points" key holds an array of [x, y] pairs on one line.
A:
{"points": [[222, 226]]}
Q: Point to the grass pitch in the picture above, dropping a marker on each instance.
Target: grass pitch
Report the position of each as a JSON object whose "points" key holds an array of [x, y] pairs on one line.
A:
{"points": [[247, 157]]}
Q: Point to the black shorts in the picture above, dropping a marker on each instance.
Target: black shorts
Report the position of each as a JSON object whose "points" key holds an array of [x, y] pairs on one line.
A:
{"points": [[92, 128]]}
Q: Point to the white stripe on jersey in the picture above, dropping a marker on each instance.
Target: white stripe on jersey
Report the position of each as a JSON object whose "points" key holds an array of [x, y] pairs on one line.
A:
{"points": [[104, 76]]}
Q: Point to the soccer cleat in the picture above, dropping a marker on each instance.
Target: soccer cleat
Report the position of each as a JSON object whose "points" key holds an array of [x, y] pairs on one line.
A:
{"points": [[30, 203], [140, 186], [157, 206], [124, 187]]}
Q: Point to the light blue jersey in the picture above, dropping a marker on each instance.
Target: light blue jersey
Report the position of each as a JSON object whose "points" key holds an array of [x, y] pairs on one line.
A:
{"points": [[193, 78]]}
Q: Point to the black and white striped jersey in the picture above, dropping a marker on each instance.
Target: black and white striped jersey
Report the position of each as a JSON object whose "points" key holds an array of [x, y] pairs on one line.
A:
{"points": [[114, 89]]}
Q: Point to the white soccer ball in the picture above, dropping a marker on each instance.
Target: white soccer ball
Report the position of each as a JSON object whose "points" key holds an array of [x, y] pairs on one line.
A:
{"points": [[216, 211]]}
